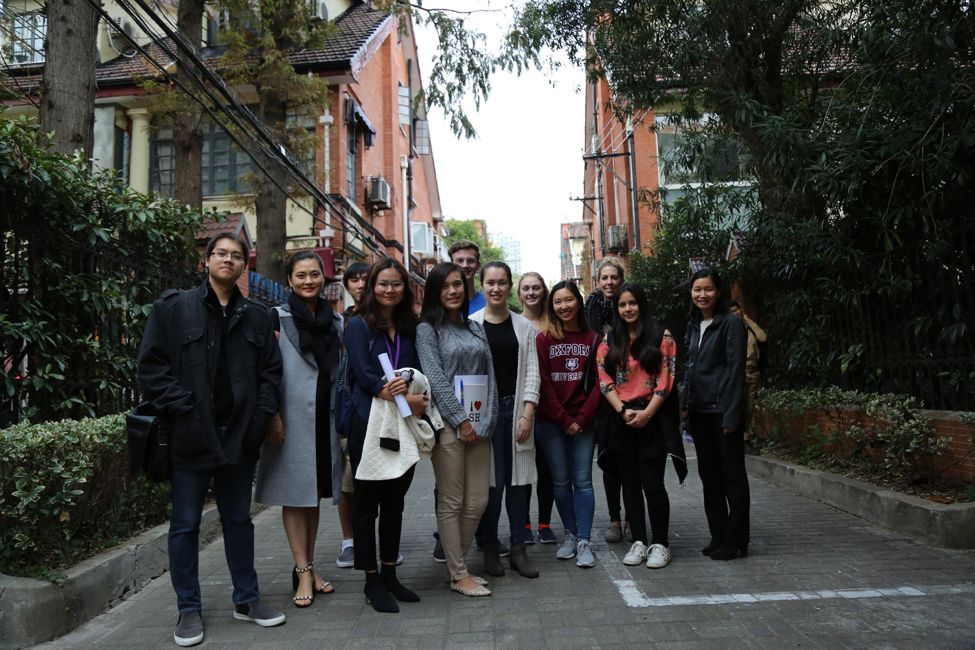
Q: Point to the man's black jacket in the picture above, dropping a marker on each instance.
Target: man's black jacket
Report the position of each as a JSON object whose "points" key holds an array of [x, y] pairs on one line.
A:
{"points": [[714, 380], [184, 394]]}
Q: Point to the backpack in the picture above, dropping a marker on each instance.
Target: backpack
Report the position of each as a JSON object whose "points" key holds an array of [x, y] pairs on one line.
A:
{"points": [[342, 411]]}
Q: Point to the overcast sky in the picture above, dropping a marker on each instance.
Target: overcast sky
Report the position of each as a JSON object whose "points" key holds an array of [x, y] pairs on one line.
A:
{"points": [[519, 173]]}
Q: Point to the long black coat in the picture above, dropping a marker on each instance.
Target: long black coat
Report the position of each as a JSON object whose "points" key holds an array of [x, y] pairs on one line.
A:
{"points": [[184, 394], [714, 381]]}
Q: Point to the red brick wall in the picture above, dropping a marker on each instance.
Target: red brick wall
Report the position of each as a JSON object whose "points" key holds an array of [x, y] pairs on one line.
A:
{"points": [[957, 462]]}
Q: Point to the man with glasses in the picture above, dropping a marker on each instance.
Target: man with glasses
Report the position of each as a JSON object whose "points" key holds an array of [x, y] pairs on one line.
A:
{"points": [[210, 364], [467, 255]]}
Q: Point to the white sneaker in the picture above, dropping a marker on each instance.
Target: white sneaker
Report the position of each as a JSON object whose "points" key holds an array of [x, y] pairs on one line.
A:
{"points": [[659, 556], [636, 555]]}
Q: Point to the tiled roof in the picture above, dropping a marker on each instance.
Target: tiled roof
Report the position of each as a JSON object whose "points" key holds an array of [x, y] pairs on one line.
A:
{"points": [[349, 50], [234, 223]]}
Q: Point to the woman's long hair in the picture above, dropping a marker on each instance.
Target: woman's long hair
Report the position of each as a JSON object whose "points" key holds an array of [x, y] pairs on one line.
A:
{"points": [[543, 315], [404, 320], [433, 311], [721, 305], [644, 347], [554, 325]]}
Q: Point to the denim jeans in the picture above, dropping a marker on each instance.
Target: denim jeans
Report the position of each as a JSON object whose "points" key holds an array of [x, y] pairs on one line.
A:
{"points": [[516, 500], [570, 461], [232, 488]]}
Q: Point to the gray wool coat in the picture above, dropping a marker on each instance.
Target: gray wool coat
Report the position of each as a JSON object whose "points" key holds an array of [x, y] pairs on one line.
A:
{"points": [[286, 474]]}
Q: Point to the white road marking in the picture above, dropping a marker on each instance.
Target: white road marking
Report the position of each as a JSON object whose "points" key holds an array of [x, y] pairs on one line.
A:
{"points": [[634, 596]]}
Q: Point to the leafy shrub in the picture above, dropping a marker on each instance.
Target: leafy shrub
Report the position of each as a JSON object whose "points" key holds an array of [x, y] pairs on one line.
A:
{"points": [[884, 433], [65, 493]]}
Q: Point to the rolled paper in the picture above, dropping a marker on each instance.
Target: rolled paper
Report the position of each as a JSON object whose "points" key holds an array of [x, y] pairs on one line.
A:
{"points": [[404, 407]]}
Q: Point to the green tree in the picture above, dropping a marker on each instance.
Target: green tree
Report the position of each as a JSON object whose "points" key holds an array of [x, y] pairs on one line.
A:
{"points": [[459, 229]]}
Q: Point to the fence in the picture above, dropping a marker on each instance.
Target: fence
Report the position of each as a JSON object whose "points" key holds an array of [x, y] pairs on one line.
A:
{"points": [[916, 338], [266, 290], [81, 306]]}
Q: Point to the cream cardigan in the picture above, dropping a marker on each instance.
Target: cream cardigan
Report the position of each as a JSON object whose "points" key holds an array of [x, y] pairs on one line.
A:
{"points": [[526, 390]]}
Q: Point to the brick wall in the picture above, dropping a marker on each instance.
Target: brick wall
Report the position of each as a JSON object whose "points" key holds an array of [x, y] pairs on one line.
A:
{"points": [[957, 462]]}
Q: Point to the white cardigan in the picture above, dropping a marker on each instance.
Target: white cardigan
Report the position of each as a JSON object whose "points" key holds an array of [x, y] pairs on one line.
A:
{"points": [[415, 435], [526, 390]]}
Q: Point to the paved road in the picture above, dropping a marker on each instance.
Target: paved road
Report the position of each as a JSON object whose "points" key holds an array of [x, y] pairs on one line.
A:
{"points": [[815, 578]]}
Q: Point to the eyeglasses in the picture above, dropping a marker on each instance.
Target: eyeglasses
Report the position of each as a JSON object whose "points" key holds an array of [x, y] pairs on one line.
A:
{"points": [[386, 286], [221, 255]]}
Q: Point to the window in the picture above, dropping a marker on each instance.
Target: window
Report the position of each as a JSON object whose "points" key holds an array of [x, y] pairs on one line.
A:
{"points": [[352, 134], [223, 166], [162, 154], [405, 105], [301, 129], [29, 31], [679, 156]]}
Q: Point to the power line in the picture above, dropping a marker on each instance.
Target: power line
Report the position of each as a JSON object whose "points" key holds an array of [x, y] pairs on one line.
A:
{"points": [[267, 143]]}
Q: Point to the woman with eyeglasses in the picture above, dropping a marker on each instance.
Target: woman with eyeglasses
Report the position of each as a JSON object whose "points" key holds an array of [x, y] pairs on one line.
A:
{"points": [[384, 323], [451, 345]]}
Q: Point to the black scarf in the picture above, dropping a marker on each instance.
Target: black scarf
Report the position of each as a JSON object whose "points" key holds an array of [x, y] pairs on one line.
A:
{"points": [[599, 311], [315, 333]]}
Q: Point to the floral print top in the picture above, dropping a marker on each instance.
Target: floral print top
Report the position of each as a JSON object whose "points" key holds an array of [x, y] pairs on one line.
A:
{"points": [[632, 382]]}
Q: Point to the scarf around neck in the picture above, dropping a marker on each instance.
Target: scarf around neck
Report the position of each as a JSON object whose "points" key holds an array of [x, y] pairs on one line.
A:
{"points": [[599, 311], [315, 333]]}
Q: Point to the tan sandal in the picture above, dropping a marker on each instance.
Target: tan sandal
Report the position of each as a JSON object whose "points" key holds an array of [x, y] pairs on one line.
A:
{"points": [[478, 592]]}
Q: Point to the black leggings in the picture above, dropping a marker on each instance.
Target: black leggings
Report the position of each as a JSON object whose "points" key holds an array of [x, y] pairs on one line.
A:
{"points": [[721, 466], [545, 494], [382, 499], [643, 477]]}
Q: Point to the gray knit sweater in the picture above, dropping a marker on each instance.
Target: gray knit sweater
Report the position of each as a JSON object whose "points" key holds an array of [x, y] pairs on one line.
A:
{"points": [[452, 350]]}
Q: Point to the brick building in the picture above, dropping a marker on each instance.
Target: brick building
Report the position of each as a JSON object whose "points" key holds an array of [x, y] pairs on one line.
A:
{"points": [[362, 157]]}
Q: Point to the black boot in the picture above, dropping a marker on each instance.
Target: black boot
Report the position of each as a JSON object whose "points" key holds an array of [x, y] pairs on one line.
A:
{"points": [[520, 562], [492, 560], [395, 587], [378, 596]]}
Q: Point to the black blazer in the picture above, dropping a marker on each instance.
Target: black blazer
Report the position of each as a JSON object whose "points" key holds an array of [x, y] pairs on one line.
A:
{"points": [[714, 380], [183, 394]]}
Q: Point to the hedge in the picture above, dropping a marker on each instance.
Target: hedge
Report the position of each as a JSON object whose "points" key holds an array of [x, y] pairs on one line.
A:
{"points": [[65, 494]]}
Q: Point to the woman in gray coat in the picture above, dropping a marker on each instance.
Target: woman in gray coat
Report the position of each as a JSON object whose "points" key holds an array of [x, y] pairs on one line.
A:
{"points": [[301, 460]]}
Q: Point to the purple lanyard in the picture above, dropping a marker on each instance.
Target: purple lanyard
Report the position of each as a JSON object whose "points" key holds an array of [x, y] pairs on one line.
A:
{"points": [[390, 350]]}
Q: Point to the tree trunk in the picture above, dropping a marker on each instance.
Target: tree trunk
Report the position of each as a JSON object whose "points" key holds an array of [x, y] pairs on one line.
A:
{"points": [[187, 126], [272, 207], [68, 104]]}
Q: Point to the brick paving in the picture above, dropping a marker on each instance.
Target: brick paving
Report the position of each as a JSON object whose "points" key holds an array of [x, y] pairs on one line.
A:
{"points": [[815, 578]]}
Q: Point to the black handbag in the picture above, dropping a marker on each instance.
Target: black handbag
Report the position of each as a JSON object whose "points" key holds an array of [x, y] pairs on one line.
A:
{"points": [[147, 431], [589, 377], [148, 435]]}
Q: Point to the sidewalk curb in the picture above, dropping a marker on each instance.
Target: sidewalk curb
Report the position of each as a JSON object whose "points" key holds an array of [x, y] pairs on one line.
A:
{"points": [[938, 524], [34, 611]]}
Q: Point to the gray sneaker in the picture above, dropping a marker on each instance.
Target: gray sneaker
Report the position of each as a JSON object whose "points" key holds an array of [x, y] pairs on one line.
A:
{"points": [[584, 555], [189, 629], [568, 549], [399, 559], [346, 559], [258, 612]]}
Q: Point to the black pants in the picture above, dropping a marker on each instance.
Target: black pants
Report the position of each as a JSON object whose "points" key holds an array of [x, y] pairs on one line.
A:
{"points": [[643, 477], [613, 486], [546, 493], [382, 499], [721, 466]]}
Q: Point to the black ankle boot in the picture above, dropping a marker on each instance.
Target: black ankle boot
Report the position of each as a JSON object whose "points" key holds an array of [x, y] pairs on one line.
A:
{"points": [[492, 560], [378, 596], [520, 562], [727, 552], [395, 587], [712, 546]]}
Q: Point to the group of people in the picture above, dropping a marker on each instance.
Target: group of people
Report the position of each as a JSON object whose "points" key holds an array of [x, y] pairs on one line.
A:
{"points": [[323, 405]]}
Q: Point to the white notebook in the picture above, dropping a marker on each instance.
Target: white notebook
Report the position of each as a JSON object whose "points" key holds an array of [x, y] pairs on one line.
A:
{"points": [[472, 393]]}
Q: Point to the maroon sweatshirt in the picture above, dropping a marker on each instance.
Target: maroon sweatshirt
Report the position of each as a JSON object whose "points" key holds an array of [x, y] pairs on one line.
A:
{"points": [[562, 364]]}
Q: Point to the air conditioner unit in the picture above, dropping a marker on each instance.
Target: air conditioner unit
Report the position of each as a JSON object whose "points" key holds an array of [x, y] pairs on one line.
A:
{"points": [[125, 46], [379, 193], [615, 237], [422, 239]]}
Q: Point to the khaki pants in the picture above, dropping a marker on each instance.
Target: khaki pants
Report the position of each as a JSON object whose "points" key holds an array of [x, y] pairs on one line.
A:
{"points": [[753, 381], [463, 471]]}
